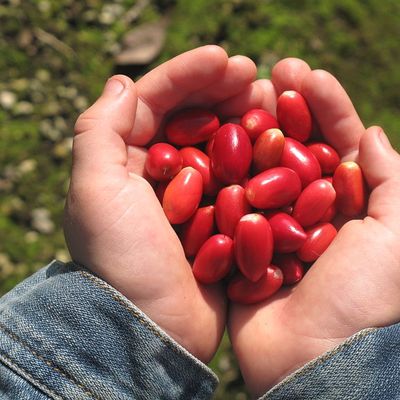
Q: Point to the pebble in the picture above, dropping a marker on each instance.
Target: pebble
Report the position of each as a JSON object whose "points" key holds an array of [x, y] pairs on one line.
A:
{"points": [[26, 166], [23, 108], [41, 220], [7, 99]]}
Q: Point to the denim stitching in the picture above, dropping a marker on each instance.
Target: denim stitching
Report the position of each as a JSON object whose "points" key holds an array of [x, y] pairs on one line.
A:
{"points": [[131, 311], [320, 360], [14, 337], [12, 365], [98, 282], [120, 299]]}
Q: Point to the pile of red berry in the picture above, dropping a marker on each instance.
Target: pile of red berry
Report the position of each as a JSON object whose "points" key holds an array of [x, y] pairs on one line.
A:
{"points": [[259, 194]]}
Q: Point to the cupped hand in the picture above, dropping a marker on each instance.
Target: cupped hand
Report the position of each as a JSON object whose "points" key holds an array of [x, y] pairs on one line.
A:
{"points": [[114, 224], [355, 284]]}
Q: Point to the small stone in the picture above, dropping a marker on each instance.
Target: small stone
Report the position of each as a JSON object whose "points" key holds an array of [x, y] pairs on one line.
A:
{"points": [[60, 124], [45, 126], [31, 237], [16, 204], [143, 44], [20, 85], [7, 99], [110, 13], [63, 255], [67, 92], [6, 266], [25, 38], [63, 149], [51, 108], [36, 85], [89, 15], [41, 220], [224, 363], [23, 108], [44, 6], [27, 166], [81, 103], [49, 131], [43, 75], [316, 43]]}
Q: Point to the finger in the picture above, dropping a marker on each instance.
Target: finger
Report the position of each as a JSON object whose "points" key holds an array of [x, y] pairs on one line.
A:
{"points": [[331, 106], [259, 94], [381, 167], [168, 85], [100, 130], [288, 74], [239, 73]]}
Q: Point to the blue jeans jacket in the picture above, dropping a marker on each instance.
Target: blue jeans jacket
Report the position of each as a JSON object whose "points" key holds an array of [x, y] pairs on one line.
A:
{"points": [[66, 334]]}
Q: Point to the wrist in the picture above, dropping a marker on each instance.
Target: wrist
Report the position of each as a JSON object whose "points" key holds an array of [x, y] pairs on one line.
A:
{"points": [[286, 353], [270, 351]]}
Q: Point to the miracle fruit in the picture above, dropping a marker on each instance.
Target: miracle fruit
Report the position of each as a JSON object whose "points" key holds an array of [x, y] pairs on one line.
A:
{"points": [[254, 203]]}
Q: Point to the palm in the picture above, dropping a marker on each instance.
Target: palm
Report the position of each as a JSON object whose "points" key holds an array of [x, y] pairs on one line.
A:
{"points": [[353, 285]]}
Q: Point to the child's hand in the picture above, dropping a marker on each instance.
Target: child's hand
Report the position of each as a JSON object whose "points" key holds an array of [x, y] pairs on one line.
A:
{"points": [[355, 283], [114, 224]]}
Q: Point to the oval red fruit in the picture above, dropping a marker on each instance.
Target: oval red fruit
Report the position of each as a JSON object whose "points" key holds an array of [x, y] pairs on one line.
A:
{"points": [[319, 237], [326, 155], [163, 161], [197, 230], [182, 195], [253, 245], [350, 189], [300, 159], [313, 202], [267, 150], [231, 154], [288, 234], [191, 126], [330, 213], [195, 158], [243, 291], [292, 268], [256, 121], [294, 116], [214, 259], [230, 206], [274, 188]]}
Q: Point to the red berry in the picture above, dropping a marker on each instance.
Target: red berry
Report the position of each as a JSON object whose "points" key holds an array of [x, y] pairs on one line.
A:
{"points": [[163, 161]]}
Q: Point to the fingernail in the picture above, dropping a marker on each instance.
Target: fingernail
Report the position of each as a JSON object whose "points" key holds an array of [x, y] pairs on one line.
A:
{"points": [[113, 87], [384, 139]]}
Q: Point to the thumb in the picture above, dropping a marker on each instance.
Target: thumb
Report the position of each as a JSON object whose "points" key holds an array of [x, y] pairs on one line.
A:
{"points": [[100, 131], [381, 167]]}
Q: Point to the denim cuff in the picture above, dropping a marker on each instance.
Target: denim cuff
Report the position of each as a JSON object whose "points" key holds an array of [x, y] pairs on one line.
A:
{"points": [[365, 366], [73, 336]]}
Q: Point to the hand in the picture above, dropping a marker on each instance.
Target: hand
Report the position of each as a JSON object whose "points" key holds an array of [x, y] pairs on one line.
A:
{"points": [[114, 224], [355, 283]]}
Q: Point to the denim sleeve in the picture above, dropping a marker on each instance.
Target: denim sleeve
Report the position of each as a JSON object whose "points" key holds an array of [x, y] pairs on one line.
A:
{"points": [[365, 367], [66, 334]]}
